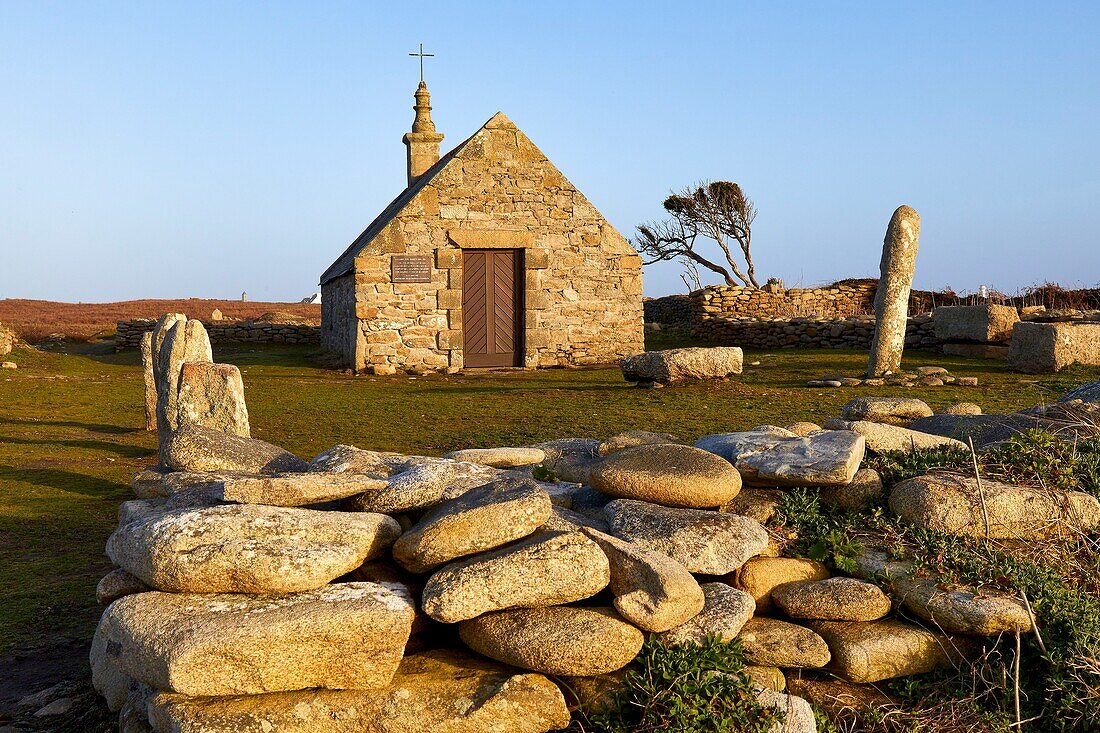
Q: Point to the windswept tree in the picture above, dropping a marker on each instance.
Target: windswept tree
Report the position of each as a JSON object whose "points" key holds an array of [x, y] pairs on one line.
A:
{"points": [[716, 212]]}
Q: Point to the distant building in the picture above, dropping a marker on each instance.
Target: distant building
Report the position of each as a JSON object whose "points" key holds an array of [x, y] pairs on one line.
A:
{"points": [[489, 258], [313, 299]]}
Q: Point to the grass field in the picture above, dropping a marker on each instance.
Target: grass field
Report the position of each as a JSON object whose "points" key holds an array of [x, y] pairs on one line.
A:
{"points": [[69, 441]]}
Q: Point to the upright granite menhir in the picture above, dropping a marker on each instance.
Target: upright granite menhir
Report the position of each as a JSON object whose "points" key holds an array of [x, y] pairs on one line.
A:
{"points": [[899, 256]]}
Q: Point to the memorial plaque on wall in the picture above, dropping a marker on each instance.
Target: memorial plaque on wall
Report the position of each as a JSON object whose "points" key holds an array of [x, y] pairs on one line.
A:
{"points": [[411, 268]]}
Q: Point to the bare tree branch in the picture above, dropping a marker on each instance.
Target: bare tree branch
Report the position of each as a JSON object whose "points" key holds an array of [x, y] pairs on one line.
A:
{"points": [[717, 211]]}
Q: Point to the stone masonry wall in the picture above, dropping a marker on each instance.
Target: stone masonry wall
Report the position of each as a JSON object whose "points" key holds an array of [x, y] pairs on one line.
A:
{"points": [[582, 280], [670, 310], [840, 301], [128, 333], [854, 332], [339, 327]]}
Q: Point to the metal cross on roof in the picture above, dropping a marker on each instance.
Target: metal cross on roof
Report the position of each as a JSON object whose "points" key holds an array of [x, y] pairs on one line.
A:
{"points": [[421, 54]]}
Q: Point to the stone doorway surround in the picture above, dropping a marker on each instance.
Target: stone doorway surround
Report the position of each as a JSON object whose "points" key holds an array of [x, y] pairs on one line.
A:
{"points": [[535, 259]]}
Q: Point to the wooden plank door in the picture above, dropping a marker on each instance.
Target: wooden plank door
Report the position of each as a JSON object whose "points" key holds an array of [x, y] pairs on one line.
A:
{"points": [[492, 307]]}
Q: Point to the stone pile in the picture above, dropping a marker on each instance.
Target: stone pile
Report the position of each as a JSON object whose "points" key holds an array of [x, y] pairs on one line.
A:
{"points": [[374, 591]]}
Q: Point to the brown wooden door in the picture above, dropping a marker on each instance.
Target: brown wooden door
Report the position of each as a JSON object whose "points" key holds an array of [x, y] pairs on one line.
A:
{"points": [[492, 312]]}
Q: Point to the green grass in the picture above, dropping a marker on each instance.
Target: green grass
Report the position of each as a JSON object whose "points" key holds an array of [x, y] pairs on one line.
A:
{"points": [[69, 441]]}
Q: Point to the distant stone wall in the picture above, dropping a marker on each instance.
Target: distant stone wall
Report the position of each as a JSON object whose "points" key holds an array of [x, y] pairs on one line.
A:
{"points": [[671, 310], [839, 301], [854, 332], [128, 333]]}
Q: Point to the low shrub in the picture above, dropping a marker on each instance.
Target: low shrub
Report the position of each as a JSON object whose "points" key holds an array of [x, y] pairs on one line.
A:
{"points": [[684, 688]]}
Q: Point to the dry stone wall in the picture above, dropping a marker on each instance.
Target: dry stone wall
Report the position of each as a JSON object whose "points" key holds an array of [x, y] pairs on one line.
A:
{"points": [[854, 332], [839, 301], [128, 334]]}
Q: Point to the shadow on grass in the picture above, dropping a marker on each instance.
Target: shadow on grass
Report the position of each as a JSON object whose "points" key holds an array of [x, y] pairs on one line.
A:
{"points": [[128, 451], [90, 427], [69, 481]]}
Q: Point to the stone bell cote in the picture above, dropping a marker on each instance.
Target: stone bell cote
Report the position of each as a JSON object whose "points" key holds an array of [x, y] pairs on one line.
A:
{"points": [[423, 141]]}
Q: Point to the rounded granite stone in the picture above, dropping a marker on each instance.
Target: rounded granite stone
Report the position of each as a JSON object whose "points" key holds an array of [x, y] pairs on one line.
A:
{"points": [[559, 640], [832, 599], [668, 474]]}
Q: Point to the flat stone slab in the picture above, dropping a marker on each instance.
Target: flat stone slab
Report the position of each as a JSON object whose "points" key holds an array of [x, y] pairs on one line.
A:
{"points": [[571, 459], [423, 482], [725, 612], [544, 570], [342, 636], [713, 543], [889, 410], [652, 591], [673, 475], [884, 438], [296, 489], [195, 448], [441, 690], [560, 640], [481, 519], [1039, 348], [774, 456], [977, 323], [953, 505], [677, 365], [244, 548], [500, 457]]}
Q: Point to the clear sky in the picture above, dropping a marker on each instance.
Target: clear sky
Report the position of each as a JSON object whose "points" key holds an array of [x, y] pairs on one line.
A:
{"points": [[204, 149]]}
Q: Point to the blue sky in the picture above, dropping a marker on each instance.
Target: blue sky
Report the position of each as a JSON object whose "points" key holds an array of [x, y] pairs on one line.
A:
{"points": [[204, 149]]}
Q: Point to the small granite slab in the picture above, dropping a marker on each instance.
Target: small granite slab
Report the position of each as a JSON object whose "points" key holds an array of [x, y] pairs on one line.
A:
{"points": [[544, 570], [770, 455], [713, 543], [341, 636], [245, 548], [482, 519]]}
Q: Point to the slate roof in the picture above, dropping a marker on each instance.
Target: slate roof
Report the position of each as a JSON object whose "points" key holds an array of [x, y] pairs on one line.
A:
{"points": [[345, 263]]}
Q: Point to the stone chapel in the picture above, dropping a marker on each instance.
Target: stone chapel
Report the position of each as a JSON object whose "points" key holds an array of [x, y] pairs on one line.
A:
{"points": [[489, 258]]}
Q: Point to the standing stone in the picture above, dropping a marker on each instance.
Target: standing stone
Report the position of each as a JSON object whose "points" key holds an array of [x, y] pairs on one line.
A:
{"points": [[150, 382], [899, 255], [184, 341], [212, 395]]}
